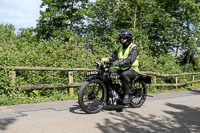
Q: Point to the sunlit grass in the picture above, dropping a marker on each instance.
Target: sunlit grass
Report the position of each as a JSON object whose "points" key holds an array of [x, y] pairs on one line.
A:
{"points": [[37, 96], [154, 90]]}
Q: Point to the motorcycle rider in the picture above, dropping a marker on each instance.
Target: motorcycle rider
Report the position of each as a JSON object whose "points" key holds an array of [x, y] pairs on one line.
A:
{"points": [[126, 57]]}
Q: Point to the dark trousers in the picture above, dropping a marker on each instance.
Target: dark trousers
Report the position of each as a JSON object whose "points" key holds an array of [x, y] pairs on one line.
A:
{"points": [[127, 77]]}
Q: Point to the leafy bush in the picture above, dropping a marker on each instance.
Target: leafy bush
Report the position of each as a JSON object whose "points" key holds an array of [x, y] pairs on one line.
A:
{"points": [[24, 49]]}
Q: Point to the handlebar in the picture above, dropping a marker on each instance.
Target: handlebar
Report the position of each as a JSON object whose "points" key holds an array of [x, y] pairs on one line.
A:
{"points": [[101, 65], [107, 62]]}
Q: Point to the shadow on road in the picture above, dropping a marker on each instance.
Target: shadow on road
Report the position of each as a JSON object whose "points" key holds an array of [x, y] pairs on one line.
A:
{"points": [[195, 92], [5, 122], [76, 109], [185, 120]]}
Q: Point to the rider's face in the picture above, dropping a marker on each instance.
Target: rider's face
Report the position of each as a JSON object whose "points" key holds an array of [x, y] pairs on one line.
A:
{"points": [[123, 40]]}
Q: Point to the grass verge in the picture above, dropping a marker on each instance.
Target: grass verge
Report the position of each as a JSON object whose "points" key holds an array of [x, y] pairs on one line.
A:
{"points": [[36, 96]]}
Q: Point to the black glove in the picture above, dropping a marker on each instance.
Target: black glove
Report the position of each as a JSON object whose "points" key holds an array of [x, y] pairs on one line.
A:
{"points": [[110, 59], [118, 63]]}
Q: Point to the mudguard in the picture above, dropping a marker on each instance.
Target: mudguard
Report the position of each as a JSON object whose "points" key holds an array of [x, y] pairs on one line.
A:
{"points": [[91, 77], [145, 78]]}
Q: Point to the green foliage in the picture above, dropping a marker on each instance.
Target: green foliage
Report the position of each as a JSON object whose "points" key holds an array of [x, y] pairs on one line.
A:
{"points": [[78, 33], [24, 50], [61, 17], [7, 33]]}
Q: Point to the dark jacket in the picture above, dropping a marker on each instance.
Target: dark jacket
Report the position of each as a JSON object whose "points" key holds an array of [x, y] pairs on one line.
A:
{"points": [[131, 57]]}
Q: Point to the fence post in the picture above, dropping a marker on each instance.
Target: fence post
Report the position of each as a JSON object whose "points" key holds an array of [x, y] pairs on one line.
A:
{"points": [[176, 82], [71, 90], [13, 78], [193, 80], [155, 78]]}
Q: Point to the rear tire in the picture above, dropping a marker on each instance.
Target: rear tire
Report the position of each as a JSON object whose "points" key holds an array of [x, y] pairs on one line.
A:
{"points": [[92, 96], [139, 90]]}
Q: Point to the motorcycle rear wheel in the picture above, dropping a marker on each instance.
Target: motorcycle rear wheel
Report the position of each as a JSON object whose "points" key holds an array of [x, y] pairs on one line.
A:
{"points": [[138, 97], [92, 96]]}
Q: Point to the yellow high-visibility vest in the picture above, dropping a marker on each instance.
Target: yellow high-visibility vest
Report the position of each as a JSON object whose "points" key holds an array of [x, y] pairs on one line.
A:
{"points": [[122, 56]]}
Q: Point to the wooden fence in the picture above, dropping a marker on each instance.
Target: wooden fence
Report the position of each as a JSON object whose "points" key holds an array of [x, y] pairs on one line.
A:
{"points": [[71, 84]]}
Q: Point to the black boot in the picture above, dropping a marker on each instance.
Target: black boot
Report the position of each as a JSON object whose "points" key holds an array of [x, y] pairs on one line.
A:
{"points": [[126, 99]]}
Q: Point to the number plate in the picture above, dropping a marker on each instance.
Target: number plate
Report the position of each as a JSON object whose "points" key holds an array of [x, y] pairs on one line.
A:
{"points": [[92, 73]]}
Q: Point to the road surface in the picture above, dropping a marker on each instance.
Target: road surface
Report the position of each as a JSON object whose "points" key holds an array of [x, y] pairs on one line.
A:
{"points": [[177, 112]]}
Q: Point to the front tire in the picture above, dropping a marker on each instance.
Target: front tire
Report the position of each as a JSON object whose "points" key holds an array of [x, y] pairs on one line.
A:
{"points": [[92, 96]]}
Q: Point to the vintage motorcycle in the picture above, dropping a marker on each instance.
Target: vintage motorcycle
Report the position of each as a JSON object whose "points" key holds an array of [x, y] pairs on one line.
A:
{"points": [[103, 87]]}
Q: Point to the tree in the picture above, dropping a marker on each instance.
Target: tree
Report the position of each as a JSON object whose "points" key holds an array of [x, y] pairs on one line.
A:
{"points": [[159, 27], [185, 24], [101, 29], [61, 18]]}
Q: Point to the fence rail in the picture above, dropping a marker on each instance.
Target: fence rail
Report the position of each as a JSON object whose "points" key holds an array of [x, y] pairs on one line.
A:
{"points": [[71, 84]]}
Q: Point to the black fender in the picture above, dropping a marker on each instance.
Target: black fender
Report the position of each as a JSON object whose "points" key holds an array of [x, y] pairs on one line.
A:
{"points": [[145, 78], [91, 77]]}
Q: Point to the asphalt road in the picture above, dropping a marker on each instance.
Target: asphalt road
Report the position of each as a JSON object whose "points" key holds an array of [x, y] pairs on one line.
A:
{"points": [[164, 113]]}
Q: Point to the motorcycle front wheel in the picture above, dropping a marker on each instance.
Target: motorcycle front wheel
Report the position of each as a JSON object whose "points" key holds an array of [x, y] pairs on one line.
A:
{"points": [[139, 92], [92, 96]]}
